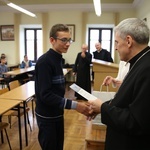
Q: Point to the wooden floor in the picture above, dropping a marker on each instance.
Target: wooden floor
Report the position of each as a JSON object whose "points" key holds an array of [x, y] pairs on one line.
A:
{"points": [[75, 131]]}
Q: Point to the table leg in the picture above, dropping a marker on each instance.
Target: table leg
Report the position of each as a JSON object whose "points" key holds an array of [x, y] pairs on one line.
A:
{"points": [[19, 124], [25, 123], [32, 107], [2, 138]]}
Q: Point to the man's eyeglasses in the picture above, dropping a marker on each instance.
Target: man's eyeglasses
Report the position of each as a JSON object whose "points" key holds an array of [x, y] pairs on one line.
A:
{"points": [[65, 40]]}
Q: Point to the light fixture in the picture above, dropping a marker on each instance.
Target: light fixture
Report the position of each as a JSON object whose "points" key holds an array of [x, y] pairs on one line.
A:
{"points": [[19, 8], [97, 6]]}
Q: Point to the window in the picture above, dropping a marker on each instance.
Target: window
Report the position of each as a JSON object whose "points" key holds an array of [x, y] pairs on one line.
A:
{"points": [[33, 43], [103, 35]]}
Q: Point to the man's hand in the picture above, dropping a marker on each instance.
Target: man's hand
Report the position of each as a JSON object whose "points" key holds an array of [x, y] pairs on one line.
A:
{"points": [[83, 54], [117, 82], [92, 115], [95, 106], [107, 80], [83, 108]]}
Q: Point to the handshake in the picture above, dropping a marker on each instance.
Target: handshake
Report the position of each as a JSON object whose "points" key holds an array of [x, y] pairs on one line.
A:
{"points": [[90, 108]]}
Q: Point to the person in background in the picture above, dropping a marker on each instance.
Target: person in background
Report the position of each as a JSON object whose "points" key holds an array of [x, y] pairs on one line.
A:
{"points": [[101, 54], [3, 69], [26, 62], [50, 90], [82, 70], [3, 55], [116, 82], [127, 115], [3, 66]]}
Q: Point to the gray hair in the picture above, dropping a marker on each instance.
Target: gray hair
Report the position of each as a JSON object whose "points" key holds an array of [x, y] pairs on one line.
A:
{"points": [[134, 27]]}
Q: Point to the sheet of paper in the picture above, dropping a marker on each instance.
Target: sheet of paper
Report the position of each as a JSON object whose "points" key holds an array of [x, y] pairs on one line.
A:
{"points": [[65, 71], [82, 92]]}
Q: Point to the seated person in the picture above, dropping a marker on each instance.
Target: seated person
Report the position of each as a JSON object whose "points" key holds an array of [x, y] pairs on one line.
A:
{"points": [[7, 78], [3, 69], [26, 63], [3, 55], [102, 54]]}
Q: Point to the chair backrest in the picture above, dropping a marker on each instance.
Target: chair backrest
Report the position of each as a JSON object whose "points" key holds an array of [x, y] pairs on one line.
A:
{"points": [[14, 84], [16, 68], [4, 90]]}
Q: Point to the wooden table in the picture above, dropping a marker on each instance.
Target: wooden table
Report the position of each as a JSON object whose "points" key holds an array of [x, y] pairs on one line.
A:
{"points": [[23, 94], [102, 69], [95, 137], [20, 71], [6, 105]]}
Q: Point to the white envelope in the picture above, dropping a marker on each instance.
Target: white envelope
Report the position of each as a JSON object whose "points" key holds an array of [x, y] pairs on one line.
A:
{"points": [[82, 92]]}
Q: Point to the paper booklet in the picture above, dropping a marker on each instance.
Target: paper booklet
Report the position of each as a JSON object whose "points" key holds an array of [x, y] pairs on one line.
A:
{"points": [[82, 92]]}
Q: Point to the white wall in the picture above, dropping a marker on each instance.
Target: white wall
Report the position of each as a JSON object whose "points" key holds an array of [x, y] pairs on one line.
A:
{"points": [[46, 20], [8, 47], [144, 12], [66, 17]]}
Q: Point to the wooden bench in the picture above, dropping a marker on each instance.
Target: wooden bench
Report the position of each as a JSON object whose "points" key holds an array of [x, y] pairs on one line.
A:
{"points": [[95, 137]]}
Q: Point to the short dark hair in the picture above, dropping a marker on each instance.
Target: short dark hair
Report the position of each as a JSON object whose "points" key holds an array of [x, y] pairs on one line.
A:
{"points": [[3, 57], [57, 28]]}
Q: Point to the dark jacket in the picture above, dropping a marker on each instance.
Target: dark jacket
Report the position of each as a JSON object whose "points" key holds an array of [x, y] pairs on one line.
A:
{"points": [[50, 86], [103, 55], [128, 115]]}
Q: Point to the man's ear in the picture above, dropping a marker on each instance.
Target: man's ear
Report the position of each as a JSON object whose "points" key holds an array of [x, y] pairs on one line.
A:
{"points": [[129, 40], [51, 39]]}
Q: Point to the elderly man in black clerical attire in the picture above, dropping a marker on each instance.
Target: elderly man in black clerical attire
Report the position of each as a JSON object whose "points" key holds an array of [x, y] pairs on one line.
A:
{"points": [[82, 70]]}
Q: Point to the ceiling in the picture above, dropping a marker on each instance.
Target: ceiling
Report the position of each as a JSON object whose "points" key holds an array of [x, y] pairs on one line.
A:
{"points": [[29, 2], [83, 5]]}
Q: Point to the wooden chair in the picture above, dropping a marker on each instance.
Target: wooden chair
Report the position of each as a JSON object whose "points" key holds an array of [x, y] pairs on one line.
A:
{"points": [[4, 90], [14, 84], [11, 113], [15, 68], [3, 126]]}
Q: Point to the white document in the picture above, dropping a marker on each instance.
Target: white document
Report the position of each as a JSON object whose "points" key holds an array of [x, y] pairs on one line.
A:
{"points": [[82, 92], [65, 71]]}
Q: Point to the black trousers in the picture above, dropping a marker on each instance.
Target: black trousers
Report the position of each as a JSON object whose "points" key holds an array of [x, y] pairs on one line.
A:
{"points": [[51, 133]]}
